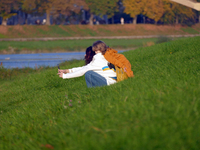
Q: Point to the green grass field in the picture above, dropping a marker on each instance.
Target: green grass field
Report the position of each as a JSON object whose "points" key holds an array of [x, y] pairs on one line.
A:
{"points": [[70, 45], [157, 109]]}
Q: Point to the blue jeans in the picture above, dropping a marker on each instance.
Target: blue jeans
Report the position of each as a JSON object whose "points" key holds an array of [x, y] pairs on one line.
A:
{"points": [[93, 79]]}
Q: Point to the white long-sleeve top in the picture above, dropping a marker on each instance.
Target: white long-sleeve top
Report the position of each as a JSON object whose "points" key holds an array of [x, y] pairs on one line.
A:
{"points": [[99, 65]]}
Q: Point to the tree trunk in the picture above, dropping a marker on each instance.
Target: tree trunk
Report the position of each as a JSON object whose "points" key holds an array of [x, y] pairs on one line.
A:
{"points": [[48, 17], [199, 16], [26, 18], [143, 19], [4, 22], [135, 20], [113, 20], [91, 19], [176, 20]]}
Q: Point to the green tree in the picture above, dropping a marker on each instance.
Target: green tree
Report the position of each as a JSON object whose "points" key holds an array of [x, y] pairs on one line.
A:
{"points": [[102, 7], [6, 9]]}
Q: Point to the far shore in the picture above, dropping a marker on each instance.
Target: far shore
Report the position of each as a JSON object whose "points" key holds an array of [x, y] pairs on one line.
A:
{"points": [[36, 51], [7, 52]]}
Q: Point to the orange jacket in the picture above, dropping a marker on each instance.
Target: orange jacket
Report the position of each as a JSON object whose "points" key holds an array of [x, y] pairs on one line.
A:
{"points": [[119, 60]]}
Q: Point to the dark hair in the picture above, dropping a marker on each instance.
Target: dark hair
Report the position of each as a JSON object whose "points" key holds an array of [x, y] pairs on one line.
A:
{"points": [[99, 46], [111, 66], [89, 53]]}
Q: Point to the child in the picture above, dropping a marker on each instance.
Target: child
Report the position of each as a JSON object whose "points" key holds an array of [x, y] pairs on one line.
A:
{"points": [[97, 72], [114, 58]]}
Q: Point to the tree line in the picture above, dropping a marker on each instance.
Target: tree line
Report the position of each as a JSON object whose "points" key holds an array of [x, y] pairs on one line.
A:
{"points": [[157, 11]]}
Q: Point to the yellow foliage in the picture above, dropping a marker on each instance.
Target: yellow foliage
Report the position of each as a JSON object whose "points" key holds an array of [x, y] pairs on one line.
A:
{"points": [[180, 9], [155, 9], [133, 7]]}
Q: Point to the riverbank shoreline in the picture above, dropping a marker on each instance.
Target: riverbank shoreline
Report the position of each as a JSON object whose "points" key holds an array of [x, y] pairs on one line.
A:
{"points": [[78, 44], [33, 32], [8, 52]]}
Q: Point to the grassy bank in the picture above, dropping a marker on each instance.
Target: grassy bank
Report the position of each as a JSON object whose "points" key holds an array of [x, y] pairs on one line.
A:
{"points": [[36, 31], [157, 109], [7, 47], [30, 31]]}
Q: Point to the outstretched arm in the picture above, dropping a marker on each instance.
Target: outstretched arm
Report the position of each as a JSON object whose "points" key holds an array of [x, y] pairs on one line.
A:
{"points": [[63, 71]]}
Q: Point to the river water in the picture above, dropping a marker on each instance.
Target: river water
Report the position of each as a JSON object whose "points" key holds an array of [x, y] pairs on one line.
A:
{"points": [[36, 60]]}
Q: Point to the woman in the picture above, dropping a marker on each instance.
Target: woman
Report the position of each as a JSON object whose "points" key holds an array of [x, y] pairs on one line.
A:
{"points": [[96, 70], [89, 54]]}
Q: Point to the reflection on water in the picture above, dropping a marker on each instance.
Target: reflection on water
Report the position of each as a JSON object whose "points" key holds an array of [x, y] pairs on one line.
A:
{"points": [[40, 59]]}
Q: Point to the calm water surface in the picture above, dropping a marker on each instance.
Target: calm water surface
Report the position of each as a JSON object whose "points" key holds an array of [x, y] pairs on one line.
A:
{"points": [[40, 59]]}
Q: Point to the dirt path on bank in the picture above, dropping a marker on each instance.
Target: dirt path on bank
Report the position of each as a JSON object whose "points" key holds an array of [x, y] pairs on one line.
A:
{"points": [[95, 37], [13, 51]]}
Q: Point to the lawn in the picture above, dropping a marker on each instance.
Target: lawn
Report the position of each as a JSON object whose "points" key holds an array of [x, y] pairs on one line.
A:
{"points": [[157, 109], [70, 45]]}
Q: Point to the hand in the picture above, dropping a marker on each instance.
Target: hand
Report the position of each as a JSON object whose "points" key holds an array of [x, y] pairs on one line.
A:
{"points": [[63, 71], [60, 74], [59, 71], [125, 70]]}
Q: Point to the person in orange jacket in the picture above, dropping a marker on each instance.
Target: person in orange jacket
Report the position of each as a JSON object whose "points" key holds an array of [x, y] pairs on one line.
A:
{"points": [[114, 57]]}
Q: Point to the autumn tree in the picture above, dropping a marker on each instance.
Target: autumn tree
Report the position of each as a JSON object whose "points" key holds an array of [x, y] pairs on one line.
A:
{"points": [[102, 7], [188, 15], [158, 10], [177, 13], [155, 9], [47, 6], [134, 8], [7, 8], [28, 7], [198, 12], [65, 7]]}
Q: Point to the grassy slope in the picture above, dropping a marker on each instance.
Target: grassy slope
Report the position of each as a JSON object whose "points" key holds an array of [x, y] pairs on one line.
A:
{"points": [[157, 109], [30, 31], [69, 45]]}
